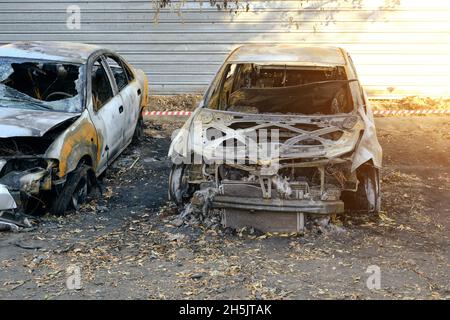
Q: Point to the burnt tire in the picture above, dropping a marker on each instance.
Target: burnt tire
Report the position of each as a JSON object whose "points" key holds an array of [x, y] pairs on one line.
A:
{"points": [[179, 189], [74, 192], [367, 198], [138, 135]]}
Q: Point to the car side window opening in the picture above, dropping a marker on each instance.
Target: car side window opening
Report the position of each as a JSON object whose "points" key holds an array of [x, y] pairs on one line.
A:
{"points": [[120, 75], [260, 88], [101, 87], [128, 71]]}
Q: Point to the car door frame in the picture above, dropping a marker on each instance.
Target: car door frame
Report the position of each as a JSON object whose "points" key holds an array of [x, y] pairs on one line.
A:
{"points": [[133, 88], [100, 55]]}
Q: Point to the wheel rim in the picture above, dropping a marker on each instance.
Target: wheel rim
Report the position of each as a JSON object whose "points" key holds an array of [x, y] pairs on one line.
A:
{"points": [[80, 194], [372, 192], [178, 184]]}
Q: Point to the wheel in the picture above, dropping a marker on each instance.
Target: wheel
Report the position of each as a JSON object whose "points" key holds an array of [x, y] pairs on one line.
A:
{"points": [[80, 194], [139, 130], [367, 198], [368, 193], [74, 192], [179, 189]]}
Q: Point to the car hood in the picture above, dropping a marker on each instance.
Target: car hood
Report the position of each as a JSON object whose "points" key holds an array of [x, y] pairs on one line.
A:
{"points": [[30, 123], [294, 133]]}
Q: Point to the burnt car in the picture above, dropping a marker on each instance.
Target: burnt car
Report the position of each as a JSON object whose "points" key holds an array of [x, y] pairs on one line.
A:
{"points": [[67, 110], [282, 132]]}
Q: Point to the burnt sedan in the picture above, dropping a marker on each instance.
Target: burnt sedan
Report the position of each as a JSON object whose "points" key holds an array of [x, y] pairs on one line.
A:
{"points": [[282, 132], [67, 110]]}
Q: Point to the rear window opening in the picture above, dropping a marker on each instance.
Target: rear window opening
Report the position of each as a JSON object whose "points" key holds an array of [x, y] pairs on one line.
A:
{"points": [[39, 85], [253, 88]]}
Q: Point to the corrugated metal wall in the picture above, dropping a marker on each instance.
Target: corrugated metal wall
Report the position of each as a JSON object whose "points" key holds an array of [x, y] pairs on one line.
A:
{"points": [[399, 46]]}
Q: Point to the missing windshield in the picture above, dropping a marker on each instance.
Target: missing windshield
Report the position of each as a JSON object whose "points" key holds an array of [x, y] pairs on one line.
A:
{"points": [[38, 85], [253, 88]]}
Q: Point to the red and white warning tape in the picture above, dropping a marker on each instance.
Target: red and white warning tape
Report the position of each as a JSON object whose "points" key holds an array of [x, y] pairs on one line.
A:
{"points": [[375, 112], [408, 112], [166, 113]]}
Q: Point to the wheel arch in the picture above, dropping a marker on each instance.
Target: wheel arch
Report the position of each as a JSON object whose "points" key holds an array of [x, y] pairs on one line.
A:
{"points": [[79, 141]]}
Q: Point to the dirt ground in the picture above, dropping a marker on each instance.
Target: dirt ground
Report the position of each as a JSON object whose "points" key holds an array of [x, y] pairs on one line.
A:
{"points": [[129, 244]]}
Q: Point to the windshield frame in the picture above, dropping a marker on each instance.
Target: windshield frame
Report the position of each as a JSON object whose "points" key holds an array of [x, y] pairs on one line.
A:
{"points": [[80, 83], [220, 78]]}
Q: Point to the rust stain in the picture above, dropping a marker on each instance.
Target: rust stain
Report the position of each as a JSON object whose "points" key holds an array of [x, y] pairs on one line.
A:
{"points": [[79, 142], [144, 101]]}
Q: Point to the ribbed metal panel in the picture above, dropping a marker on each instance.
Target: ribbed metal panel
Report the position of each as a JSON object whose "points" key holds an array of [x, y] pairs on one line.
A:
{"points": [[399, 47]]}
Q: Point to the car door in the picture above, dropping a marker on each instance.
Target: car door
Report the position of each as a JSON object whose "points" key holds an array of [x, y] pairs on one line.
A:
{"points": [[129, 90], [107, 113]]}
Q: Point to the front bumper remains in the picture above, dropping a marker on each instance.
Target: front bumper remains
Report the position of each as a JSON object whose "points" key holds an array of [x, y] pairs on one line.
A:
{"points": [[11, 219], [279, 205], [247, 204], [7, 201], [7, 208], [254, 197]]}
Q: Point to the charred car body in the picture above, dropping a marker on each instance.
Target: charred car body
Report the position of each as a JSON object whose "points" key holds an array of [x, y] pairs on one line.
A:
{"points": [[67, 110], [281, 132]]}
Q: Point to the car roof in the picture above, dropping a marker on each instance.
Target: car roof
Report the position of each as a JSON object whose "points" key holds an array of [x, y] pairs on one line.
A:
{"points": [[289, 54], [49, 50]]}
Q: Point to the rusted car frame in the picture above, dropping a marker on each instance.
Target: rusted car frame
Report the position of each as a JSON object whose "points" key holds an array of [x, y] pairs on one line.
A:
{"points": [[327, 154]]}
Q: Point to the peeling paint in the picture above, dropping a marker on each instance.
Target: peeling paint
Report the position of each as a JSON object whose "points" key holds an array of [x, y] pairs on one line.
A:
{"points": [[79, 140], [21, 123]]}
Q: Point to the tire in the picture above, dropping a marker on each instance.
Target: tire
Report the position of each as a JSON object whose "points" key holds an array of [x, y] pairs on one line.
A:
{"points": [[367, 198], [74, 192], [138, 135], [178, 185]]}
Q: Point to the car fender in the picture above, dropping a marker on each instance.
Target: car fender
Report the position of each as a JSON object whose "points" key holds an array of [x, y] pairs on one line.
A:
{"points": [[180, 147], [368, 148], [143, 83], [79, 140]]}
